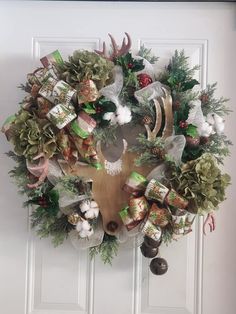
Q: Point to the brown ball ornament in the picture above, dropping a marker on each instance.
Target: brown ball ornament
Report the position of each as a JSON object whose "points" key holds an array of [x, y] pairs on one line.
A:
{"points": [[152, 243], [148, 251], [158, 266], [192, 141], [112, 226], [204, 140]]}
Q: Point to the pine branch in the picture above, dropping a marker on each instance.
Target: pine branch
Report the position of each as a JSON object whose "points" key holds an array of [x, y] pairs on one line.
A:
{"points": [[141, 110], [147, 54], [26, 87], [218, 146], [108, 249], [179, 75], [212, 104], [106, 135]]}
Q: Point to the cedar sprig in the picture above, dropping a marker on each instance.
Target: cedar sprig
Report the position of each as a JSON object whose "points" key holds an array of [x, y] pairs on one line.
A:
{"points": [[141, 110], [147, 54], [218, 145], [212, 104], [178, 75], [107, 250]]}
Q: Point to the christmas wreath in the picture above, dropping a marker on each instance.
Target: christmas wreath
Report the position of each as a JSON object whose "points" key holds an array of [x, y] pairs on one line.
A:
{"points": [[111, 150]]}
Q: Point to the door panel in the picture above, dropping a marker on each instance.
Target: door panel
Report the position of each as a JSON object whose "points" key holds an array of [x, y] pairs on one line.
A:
{"points": [[38, 279]]}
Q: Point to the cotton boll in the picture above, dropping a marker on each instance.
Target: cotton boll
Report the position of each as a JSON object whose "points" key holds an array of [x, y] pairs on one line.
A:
{"points": [[219, 124], [123, 115], [210, 119], [206, 129], [85, 206], [93, 204], [92, 213], [86, 233], [84, 229], [110, 116]]}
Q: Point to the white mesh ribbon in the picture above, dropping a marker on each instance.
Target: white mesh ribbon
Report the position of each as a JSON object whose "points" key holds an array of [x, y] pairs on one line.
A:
{"points": [[113, 91], [150, 92], [84, 243], [174, 146], [122, 115], [148, 67], [197, 118]]}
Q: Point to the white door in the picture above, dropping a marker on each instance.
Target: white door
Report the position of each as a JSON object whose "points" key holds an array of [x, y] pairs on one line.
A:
{"points": [[35, 278]]}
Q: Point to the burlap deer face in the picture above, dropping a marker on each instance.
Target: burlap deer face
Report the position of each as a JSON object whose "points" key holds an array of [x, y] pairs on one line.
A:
{"points": [[108, 182]]}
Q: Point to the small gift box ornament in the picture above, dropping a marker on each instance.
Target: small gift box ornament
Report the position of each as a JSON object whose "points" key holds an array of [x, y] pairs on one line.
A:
{"points": [[62, 93], [138, 208], [44, 106], [84, 125], [135, 184], [150, 230], [156, 191], [47, 89], [53, 58], [61, 115], [159, 215], [178, 221], [175, 200], [127, 220], [40, 76], [87, 92]]}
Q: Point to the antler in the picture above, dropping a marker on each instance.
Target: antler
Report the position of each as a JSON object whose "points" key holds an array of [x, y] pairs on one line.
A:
{"points": [[168, 128], [151, 135], [116, 52], [169, 123]]}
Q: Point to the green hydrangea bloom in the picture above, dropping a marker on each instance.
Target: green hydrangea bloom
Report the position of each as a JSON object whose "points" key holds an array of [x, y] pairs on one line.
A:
{"points": [[86, 65], [31, 136], [202, 183]]}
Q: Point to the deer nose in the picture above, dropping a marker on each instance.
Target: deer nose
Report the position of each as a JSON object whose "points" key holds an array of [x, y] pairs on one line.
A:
{"points": [[112, 226]]}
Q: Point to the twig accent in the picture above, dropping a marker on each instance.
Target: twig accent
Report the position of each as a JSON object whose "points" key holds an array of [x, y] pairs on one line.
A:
{"points": [[211, 222], [116, 52]]}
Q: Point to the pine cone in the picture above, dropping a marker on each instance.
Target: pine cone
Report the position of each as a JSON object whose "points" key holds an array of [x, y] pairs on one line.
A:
{"points": [[204, 98], [159, 152], [204, 140], [147, 120], [176, 105]]}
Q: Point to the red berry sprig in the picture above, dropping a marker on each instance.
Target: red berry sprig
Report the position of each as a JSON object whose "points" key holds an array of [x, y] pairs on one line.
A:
{"points": [[42, 201], [99, 109], [183, 124]]}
